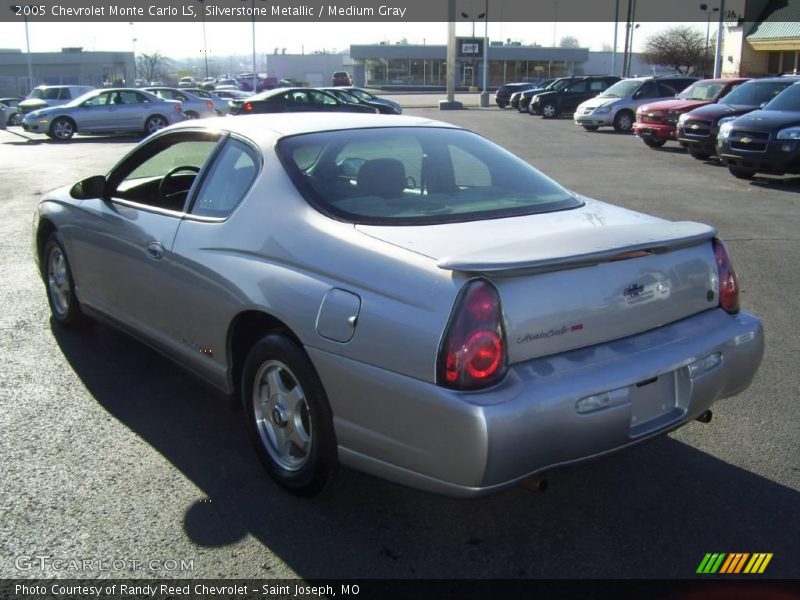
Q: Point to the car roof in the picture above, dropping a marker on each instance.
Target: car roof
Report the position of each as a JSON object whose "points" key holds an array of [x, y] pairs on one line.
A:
{"points": [[266, 129]]}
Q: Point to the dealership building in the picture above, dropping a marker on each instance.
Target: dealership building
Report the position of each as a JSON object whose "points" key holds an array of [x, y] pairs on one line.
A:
{"points": [[71, 66], [401, 66]]}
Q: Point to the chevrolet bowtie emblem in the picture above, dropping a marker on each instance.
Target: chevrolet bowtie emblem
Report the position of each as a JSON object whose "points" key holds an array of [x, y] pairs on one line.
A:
{"points": [[746, 140], [695, 126]]}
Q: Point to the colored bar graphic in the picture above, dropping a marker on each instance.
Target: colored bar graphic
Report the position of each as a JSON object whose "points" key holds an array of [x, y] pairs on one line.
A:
{"points": [[734, 563]]}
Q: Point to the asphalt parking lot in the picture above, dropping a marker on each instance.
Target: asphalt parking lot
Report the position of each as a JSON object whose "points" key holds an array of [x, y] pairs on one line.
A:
{"points": [[110, 453]]}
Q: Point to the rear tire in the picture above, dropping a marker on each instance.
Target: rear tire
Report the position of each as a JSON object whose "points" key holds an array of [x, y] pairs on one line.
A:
{"points": [[58, 280], [153, 124], [624, 121], [191, 115], [654, 142], [288, 416], [741, 173]]}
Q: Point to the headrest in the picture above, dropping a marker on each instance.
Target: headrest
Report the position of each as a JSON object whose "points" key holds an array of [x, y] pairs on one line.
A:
{"points": [[384, 177]]}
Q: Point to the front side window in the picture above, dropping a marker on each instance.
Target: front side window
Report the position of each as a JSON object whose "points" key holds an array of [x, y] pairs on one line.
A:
{"points": [[323, 98], [99, 100], [161, 173], [416, 175]]}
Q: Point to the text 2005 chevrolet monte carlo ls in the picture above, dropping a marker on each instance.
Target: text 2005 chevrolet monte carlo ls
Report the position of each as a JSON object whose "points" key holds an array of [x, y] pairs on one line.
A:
{"points": [[400, 296]]}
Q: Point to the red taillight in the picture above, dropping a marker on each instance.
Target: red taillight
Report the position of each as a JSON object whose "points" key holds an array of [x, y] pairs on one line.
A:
{"points": [[473, 352], [248, 107], [728, 284], [210, 105]]}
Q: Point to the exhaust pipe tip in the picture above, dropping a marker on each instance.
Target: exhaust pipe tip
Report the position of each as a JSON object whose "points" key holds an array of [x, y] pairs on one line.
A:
{"points": [[705, 417], [536, 484]]}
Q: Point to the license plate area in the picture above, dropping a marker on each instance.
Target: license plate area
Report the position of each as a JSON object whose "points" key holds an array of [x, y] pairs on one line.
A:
{"points": [[655, 403]]}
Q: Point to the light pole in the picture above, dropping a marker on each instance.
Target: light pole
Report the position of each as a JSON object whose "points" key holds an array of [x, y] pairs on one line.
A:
{"points": [[479, 17], [616, 28], [718, 49], [205, 45], [15, 9], [255, 76], [133, 49], [709, 11]]}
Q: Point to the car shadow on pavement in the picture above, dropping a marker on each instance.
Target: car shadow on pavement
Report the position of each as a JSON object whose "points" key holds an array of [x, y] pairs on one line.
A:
{"points": [[651, 511], [789, 184], [18, 140]]}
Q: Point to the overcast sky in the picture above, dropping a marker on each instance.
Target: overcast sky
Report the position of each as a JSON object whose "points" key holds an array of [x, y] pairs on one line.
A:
{"points": [[179, 40]]}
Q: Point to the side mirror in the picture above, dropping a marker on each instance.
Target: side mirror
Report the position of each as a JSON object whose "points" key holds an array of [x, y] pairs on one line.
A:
{"points": [[91, 187]]}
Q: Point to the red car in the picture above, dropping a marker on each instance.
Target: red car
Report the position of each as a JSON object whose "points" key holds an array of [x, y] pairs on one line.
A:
{"points": [[341, 78], [657, 123]]}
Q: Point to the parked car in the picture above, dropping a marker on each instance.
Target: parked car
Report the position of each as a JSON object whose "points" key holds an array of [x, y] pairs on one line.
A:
{"points": [[616, 107], [553, 103], [194, 107], [343, 94], [502, 97], [657, 122], [186, 82], [765, 140], [229, 95], [10, 107], [227, 84], [341, 78], [220, 104], [114, 110], [697, 129], [51, 95], [400, 296], [527, 96], [368, 97], [294, 100]]}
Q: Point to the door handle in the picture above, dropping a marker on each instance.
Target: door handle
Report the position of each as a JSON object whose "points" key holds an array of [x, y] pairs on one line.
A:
{"points": [[155, 250]]}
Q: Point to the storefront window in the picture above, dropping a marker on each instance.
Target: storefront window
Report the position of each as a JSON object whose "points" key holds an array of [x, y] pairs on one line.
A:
{"points": [[399, 71], [375, 71]]}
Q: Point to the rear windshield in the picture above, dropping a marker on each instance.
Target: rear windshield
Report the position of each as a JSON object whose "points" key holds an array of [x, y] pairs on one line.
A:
{"points": [[788, 99], [416, 175], [755, 93]]}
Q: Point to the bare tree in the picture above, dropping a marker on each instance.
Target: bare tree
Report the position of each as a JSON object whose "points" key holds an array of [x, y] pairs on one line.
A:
{"points": [[682, 48], [153, 67], [569, 41], [606, 47]]}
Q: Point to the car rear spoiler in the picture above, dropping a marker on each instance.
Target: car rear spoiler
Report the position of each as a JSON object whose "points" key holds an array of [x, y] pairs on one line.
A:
{"points": [[574, 249]]}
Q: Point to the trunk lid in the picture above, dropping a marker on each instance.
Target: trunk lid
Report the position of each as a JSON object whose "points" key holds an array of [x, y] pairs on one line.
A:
{"points": [[576, 278]]}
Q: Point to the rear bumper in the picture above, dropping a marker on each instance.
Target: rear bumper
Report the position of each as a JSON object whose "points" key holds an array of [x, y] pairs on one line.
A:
{"points": [[654, 131], [471, 444]]}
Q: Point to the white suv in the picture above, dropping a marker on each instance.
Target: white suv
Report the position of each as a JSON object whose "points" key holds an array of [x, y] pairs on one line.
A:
{"points": [[51, 95]]}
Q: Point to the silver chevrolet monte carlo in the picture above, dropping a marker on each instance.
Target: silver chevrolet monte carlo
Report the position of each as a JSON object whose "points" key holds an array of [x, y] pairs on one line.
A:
{"points": [[400, 296]]}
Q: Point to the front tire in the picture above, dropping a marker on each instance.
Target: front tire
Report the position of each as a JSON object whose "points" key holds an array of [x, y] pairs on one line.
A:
{"points": [[64, 305], [288, 416], [654, 142], [591, 127], [741, 173], [62, 129], [549, 111], [191, 115], [699, 155]]}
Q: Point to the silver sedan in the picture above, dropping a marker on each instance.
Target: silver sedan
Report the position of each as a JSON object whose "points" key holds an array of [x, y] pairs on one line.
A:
{"points": [[400, 296], [114, 110], [194, 107]]}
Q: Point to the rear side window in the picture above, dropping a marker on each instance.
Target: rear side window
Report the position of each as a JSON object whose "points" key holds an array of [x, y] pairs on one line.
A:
{"points": [[65, 95], [416, 175], [231, 175]]}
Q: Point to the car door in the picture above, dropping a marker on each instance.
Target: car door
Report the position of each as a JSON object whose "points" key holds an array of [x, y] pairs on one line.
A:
{"points": [[122, 245], [573, 95], [94, 114]]}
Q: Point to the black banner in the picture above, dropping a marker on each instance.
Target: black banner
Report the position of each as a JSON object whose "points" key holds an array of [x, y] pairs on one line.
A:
{"points": [[717, 588], [362, 10]]}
